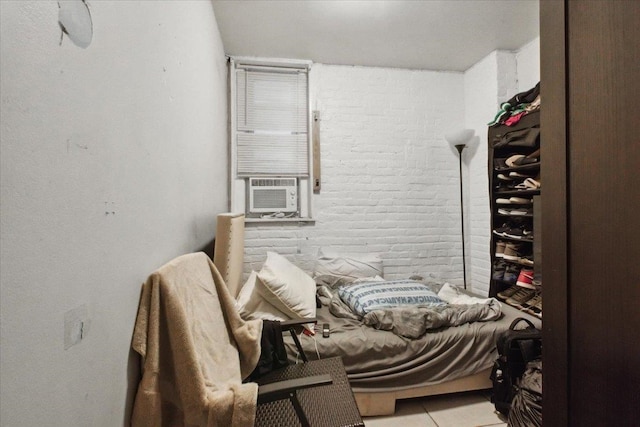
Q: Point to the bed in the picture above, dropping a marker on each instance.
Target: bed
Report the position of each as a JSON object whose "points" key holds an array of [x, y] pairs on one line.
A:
{"points": [[382, 366]]}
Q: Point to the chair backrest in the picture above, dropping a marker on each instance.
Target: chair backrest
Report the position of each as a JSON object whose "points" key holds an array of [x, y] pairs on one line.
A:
{"points": [[228, 254], [195, 347]]}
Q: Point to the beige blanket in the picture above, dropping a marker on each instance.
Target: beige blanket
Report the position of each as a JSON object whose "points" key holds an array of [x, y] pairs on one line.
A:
{"points": [[195, 349]]}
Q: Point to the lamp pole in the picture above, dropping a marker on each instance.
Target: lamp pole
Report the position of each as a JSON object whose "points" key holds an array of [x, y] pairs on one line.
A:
{"points": [[461, 147]]}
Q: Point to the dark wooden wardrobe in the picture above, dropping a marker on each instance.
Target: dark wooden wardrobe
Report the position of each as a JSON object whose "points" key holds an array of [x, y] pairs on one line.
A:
{"points": [[590, 124]]}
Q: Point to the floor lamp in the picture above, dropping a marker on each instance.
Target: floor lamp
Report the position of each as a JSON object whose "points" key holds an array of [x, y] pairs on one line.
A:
{"points": [[458, 140]]}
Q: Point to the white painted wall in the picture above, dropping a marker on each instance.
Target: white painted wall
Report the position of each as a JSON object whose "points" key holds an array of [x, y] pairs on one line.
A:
{"points": [[491, 81], [389, 179], [528, 65], [486, 85], [113, 162]]}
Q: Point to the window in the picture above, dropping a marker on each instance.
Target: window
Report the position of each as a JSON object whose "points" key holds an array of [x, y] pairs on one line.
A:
{"points": [[270, 138]]}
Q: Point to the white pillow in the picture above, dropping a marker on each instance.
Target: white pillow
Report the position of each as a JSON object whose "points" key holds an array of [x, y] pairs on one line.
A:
{"points": [[334, 269], [251, 305], [287, 287]]}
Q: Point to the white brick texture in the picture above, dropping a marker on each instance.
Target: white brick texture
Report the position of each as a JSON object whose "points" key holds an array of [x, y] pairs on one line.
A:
{"points": [[389, 179]]}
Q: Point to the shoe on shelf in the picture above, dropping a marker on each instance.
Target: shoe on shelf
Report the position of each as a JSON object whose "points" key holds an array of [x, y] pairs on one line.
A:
{"points": [[505, 186], [532, 183], [511, 161], [503, 295], [498, 270], [520, 201], [521, 159], [519, 232], [534, 305], [500, 230], [521, 296], [512, 252], [525, 278], [515, 174], [500, 249], [511, 273], [528, 184], [520, 212], [528, 261], [514, 212], [503, 201]]}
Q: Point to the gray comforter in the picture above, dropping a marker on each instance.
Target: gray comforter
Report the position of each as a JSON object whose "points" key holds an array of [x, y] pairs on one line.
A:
{"points": [[381, 360], [413, 322]]}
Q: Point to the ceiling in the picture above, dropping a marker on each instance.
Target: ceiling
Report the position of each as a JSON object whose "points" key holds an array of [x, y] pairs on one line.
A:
{"points": [[447, 35]]}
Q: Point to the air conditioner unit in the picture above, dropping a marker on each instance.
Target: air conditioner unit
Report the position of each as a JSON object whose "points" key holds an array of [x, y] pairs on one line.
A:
{"points": [[268, 195]]}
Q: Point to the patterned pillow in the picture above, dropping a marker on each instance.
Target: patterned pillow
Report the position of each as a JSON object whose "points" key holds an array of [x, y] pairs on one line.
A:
{"points": [[368, 296]]}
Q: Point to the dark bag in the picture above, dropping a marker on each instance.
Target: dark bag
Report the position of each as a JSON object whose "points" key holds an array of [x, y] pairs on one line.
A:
{"points": [[526, 408], [516, 347]]}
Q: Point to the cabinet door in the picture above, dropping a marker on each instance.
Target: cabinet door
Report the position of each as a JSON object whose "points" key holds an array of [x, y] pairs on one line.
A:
{"points": [[591, 232]]}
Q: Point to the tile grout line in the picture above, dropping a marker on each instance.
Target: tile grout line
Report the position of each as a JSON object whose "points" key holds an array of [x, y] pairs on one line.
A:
{"points": [[428, 414]]}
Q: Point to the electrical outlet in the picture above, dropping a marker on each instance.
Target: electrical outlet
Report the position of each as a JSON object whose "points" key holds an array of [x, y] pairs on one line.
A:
{"points": [[76, 325]]}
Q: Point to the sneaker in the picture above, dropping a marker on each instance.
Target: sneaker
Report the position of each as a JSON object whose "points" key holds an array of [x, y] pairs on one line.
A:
{"points": [[511, 273], [500, 249], [512, 251], [521, 296], [528, 261], [503, 295], [525, 278], [503, 201], [500, 230], [498, 270], [520, 232], [534, 305]]}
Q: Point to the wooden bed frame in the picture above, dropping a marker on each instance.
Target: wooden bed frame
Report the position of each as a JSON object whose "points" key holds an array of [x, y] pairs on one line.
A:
{"points": [[229, 259], [384, 403]]}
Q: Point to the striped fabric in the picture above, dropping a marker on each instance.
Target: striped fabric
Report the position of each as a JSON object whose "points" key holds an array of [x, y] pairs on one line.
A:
{"points": [[368, 296]]}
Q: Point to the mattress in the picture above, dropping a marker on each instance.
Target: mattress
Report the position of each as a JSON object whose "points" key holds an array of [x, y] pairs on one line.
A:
{"points": [[381, 361]]}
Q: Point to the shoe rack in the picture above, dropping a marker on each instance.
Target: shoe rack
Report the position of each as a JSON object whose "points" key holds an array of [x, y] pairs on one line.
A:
{"points": [[514, 188]]}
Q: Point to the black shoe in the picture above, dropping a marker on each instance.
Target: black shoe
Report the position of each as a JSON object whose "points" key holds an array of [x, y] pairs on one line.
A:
{"points": [[520, 232], [498, 271]]}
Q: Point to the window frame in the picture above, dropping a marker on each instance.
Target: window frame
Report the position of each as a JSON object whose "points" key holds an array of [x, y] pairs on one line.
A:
{"points": [[238, 191]]}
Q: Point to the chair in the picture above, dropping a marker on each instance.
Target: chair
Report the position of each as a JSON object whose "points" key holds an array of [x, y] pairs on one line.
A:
{"points": [[195, 350]]}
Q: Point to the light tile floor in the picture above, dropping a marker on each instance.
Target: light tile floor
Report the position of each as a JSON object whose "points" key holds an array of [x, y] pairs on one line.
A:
{"points": [[470, 409]]}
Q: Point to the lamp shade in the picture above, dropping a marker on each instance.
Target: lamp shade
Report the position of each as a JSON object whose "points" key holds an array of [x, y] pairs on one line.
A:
{"points": [[459, 137]]}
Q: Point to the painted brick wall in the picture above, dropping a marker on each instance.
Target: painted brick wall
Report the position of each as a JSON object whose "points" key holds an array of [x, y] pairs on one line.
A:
{"points": [[491, 81], [486, 84], [389, 179], [528, 65]]}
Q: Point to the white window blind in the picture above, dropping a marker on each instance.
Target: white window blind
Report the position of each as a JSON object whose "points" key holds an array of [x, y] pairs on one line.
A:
{"points": [[271, 122]]}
